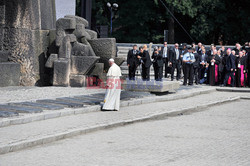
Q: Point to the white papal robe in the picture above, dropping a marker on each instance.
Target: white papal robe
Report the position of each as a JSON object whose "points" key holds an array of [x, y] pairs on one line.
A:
{"points": [[113, 91]]}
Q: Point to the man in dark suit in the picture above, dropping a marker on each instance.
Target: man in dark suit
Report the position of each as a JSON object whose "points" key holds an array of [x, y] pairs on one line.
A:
{"points": [[210, 52], [196, 66], [165, 54], [230, 67], [203, 63], [199, 49], [132, 62], [175, 61], [158, 64], [146, 63]]}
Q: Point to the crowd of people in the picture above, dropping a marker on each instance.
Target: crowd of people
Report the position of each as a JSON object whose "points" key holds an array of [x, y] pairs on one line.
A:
{"points": [[198, 64]]}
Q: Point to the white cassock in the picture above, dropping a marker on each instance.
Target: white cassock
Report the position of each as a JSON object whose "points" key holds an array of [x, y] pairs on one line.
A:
{"points": [[113, 92]]}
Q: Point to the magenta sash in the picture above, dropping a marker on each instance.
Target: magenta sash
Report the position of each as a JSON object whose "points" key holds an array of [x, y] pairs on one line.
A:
{"points": [[242, 75], [229, 80], [216, 73]]}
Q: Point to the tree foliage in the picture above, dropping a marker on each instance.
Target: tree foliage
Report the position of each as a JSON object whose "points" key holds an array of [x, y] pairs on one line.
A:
{"points": [[208, 21]]}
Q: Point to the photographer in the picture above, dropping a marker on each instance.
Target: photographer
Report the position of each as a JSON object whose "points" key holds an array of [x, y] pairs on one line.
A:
{"points": [[158, 64]]}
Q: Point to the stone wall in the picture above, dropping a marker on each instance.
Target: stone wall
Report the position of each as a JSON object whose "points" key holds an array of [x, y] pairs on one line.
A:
{"points": [[25, 27]]}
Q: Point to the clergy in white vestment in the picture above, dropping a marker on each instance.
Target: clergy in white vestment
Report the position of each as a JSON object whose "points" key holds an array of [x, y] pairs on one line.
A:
{"points": [[113, 91]]}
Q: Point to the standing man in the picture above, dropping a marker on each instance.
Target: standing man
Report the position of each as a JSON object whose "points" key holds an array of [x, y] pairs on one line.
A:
{"points": [[196, 66], [132, 62], [113, 92], [203, 64], [199, 49], [175, 61], [214, 61], [158, 64], [230, 67], [184, 50], [146, 63], [165, 55], [189, 59]]}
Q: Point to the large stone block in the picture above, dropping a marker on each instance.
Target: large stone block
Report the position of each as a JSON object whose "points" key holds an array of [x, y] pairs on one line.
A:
{"points": [[79, 20], [105, 48], [80, 49], [20, 43], [61, 73], [80, 32], [66, 47], [150, 86], [4, 56], [66, 24], [62, 25], [22, 14], [50, 62], [82, 64], [93, 34], [2, 14], [48, 14], [77, 80], [9, 74]]}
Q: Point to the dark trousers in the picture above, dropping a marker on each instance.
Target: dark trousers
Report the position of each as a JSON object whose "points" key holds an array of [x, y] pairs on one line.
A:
{"points": [[158, 73], [145, 73], [131, 70], [175, 66], [196, 75], [166, 66], [189, 74], [202, 71], [229, 74]]}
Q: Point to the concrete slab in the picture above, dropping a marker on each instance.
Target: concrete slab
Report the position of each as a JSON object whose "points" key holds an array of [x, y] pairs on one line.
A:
{"points": [[150, 86]]}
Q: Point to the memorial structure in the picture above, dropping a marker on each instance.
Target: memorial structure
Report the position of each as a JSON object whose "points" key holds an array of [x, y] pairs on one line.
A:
{"points": [[35, 49]]}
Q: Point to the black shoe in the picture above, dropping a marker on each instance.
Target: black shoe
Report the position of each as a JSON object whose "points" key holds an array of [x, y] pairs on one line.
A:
{"points": [[184, 84]]}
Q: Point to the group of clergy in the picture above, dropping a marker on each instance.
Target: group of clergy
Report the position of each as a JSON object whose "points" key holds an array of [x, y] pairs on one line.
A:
{"points": [[214, 66]]}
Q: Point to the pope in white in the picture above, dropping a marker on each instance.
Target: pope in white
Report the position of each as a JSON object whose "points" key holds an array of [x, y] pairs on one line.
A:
{"points": [[113, 92]]}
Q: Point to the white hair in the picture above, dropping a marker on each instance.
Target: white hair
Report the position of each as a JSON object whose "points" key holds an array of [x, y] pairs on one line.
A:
{"points": [[111, 60]]}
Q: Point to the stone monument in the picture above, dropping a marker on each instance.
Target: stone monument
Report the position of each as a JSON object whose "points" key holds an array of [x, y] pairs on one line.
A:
{"points": [[35, 49], [25, 32], [79, 50]]}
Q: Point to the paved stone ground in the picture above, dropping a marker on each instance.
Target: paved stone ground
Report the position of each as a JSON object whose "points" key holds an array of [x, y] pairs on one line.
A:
{"points": [[217, 136], [18, 133]]}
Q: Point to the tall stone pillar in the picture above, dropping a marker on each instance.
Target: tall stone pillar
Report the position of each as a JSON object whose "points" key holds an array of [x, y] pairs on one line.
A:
{"points": [[25, 32]]}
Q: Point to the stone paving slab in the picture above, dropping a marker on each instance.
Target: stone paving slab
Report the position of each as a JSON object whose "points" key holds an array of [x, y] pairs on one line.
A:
{"points": [[138, 98], [64, 103], [78, 101], [20, 109], [5, 114], [39, 105]]}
